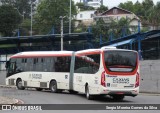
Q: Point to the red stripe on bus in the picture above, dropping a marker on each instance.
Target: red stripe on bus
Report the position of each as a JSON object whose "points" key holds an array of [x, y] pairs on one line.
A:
{"points": [[40, 55], [88, 53]]}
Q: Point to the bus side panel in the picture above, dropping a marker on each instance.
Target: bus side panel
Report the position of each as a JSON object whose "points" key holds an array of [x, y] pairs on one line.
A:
{"points": [[34, 79], [82, 80], [38, 72]]}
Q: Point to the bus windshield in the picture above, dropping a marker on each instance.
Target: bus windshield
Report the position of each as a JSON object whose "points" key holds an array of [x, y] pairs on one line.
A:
{"points": [[120, 61]]}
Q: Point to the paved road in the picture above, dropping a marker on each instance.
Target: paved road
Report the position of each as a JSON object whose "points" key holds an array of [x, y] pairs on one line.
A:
{"points": [[30, 96], [2, 77]]}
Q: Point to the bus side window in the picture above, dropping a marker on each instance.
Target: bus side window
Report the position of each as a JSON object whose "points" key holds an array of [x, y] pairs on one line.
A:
{"points": [[40, 66], [34, 61], [46, 64], [62, 64], [87, 64], [29, 64], [58, 64]]}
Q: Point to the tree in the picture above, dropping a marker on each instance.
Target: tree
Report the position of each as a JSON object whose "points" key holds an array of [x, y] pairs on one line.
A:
{"points": [[147, 7], [7, 2], [127, 5], [82, 7], [100, 29], [23, 6], [153, 17], [48, 13], [9, 20], [147, 4], [123, 24], [102, 9], [138, 9], [116, 28]]}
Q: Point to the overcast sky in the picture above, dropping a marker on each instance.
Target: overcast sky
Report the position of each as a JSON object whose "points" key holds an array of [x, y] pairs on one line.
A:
{"points": [[112, 3]]}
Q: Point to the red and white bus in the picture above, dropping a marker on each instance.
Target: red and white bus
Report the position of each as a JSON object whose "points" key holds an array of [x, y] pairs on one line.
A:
{"points": [[105, 71]]}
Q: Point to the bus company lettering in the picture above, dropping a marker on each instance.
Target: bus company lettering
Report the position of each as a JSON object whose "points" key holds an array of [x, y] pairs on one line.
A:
{"points": [[36, 76], [121, 80]]}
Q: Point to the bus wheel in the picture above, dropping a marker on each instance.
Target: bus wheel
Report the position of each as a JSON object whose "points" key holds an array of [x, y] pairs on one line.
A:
{"points": [[39, 89], [19, 84], [53, 86], [118, 97], [88, 96]]}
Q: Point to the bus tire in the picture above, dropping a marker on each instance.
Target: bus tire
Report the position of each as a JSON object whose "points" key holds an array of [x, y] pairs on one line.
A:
{"points": [[53, 86], [118, 97], [19, 84], [39, 89], [88, 96]]}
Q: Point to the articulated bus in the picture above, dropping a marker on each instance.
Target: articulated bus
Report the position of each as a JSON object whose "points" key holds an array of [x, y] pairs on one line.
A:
{"points": [[104, 71]]}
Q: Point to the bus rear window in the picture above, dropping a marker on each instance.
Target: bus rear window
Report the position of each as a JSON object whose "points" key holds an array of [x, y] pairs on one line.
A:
{"points": [[120, 61]]}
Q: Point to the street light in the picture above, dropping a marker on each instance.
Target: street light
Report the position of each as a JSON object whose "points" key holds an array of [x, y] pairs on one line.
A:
{"points": [[62, 17]]}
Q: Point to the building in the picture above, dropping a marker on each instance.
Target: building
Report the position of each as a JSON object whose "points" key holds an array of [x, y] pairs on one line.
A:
{"points": [[93, 3], [85, 17], [116, 14]]}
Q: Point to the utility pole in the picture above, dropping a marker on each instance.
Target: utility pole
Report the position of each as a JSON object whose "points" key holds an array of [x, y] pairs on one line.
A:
{"points": [[31, 18], [62, 17], [70, 16]]}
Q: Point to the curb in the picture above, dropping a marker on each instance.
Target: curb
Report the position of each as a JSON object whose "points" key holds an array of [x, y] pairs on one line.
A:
{"points": [[18, 101], [15, 101], [5, 86], [149, 94], [9, 100]]}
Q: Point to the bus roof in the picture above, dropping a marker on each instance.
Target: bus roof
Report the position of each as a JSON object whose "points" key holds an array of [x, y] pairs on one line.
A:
{"points": [[114, 48], [98, 51], [42, 54], [88, 51], [108, 47]]}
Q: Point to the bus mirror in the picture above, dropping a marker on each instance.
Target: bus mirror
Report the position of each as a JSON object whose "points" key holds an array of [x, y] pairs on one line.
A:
{"points": [[7, 64]]}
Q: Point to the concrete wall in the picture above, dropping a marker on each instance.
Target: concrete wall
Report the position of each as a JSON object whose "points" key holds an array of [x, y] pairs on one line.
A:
{"points": [[150, 76]]}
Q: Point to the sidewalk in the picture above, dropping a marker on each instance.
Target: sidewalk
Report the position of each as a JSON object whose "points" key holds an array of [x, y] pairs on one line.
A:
{"points": [[7, 100]]}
